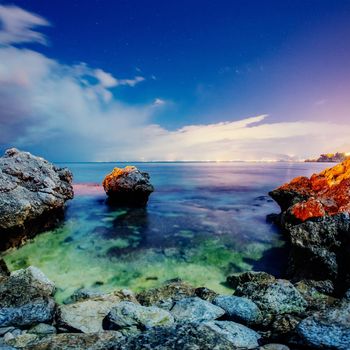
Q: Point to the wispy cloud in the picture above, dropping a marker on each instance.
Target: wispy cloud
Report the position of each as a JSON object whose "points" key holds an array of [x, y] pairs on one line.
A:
{"points": [[18, 26]]}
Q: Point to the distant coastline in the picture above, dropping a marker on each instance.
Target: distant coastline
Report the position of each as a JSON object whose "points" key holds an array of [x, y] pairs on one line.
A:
{"points": [[337, 157]]}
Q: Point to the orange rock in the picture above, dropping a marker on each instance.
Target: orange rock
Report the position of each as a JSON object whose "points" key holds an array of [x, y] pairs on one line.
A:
{"points": [[326, 193]]}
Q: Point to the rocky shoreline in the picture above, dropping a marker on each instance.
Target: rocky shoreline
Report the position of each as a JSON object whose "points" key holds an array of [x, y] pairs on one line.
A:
{"points": [[309, 310], [263, 313]]}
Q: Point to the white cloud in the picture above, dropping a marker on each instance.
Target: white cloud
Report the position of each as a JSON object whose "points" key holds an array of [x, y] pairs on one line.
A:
{"points": [[17, 26], [131, 82], [159, 102], [57, 110]]}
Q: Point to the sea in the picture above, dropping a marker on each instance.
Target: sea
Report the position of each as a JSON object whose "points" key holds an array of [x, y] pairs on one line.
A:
{"points": [[203, 222]]}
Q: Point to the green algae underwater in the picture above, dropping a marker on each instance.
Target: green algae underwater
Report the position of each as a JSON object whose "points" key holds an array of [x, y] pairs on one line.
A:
{"points": [[203, 223]]}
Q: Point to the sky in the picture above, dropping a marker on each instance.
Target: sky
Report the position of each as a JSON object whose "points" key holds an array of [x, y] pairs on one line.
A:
{"points": [[132, 80]]}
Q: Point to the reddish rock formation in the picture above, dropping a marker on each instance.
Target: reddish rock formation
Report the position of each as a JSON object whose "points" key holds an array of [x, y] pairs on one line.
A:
{"points": [[326, 193], [316, 220], [128, 186]]}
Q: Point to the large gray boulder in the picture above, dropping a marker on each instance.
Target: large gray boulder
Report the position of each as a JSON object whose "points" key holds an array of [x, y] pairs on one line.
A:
{"points": [[26, 298], [87, 315], [32, 195], [273, 297], [328, 329]]}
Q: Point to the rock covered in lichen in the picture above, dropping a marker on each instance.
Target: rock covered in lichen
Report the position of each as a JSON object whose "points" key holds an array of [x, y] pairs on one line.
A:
{"points": [[165, 296], [128, 186], [32, 195], [328, 329], [273, 297], [26, 298]]}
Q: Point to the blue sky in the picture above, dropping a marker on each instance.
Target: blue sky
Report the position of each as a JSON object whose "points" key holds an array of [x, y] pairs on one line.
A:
{"points": [[174, 78]]}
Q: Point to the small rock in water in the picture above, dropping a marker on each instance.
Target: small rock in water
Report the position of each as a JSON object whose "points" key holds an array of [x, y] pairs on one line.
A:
{"points": [[239, 309], [127, 315], [128, 186], [194, 309]]}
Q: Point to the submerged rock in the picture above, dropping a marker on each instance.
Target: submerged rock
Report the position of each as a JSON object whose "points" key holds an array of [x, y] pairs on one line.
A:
{"points": [[32, 196], [315, 217], [128, 186], [239, 309], [194, 309], [329, 329], [128, 315]]}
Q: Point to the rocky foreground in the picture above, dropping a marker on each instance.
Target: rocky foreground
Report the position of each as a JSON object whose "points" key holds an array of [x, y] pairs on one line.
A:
{"points": [[32, 196], [264, 313]]}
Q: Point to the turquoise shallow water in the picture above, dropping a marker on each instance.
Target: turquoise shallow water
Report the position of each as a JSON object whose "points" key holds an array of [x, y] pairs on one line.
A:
{"points": [[203, 222]]}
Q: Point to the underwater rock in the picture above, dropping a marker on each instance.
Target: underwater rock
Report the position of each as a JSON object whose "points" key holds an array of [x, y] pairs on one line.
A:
{"points": [[315, 217], [239, 309], [273, 297], [128, 315], [223, 335], [328, 329], [166, 295], [32, 196], [87, 315], [128, 186], [194, 309]]}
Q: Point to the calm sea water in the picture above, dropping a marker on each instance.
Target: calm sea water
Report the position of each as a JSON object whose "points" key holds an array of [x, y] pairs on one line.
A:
{"points": [[203, 222]]}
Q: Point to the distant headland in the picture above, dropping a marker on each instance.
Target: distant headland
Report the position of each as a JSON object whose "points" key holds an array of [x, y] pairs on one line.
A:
{"points": [[337, 157]]}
